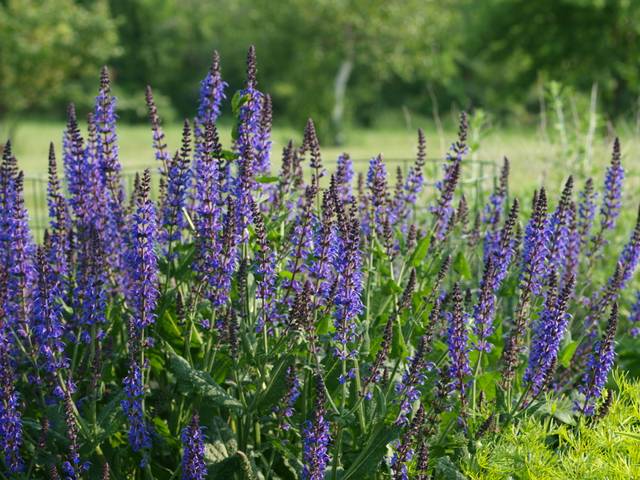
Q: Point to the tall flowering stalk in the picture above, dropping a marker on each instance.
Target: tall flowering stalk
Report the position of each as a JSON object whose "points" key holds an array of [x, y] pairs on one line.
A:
{"points": [[535, 251], [443, 210], [193, 466], [207, 211], [349, 288], [159, 141], [265, 271], [458, 339], [316, 438], [90, 294], [325, 250], [404, 451], [586, 210], [211, 97], [494, 210], [47, 320], [377, 185], [21, 274], [10, 416], [139, 433], [599, 365], [77, 173], [484, 309], [634, 317], [110, 182], [504, 255], [547, 336], [142, 259], [558, 233], [611, 197], [177, 192], [286, 406], [413, 184], [58, 220], [344, 178], [408, 389]]}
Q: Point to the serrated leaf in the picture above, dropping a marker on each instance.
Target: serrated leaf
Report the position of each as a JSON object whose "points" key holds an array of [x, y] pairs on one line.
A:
{"points": [[197, 382], [369, 458]]}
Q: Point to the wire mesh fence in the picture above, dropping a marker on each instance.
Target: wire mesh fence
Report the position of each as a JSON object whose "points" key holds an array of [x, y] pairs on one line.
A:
{"points": [[478, 177]]}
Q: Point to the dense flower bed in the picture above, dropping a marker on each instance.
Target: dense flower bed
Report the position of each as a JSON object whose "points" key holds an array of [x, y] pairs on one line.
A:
{"points": [[314, 324]]}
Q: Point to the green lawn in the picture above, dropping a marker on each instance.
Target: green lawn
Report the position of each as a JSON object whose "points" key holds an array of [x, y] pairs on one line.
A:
{"points": [[535, 161]]}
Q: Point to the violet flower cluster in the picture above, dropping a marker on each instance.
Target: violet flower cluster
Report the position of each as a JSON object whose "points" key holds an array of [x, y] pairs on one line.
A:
{"points": [[193, 466], [316, 438]]}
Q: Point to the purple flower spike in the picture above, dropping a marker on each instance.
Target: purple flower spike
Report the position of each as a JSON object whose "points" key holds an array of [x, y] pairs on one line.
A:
{"points": [[586, 210], [494, 210], [634, 317], [484, 310], [286, 407], [558, 233], [10, 417], [211, 98], [344, 178], [265, 271], [458, 339], [443, 210], [193, 466], [547, 336], [349, 287], [177, 190], [612, 199], [142, 260], [59, 221], [316, 438], [535, 245], [139, 435], [599, 365], [408, 388], [47, 315], [377, 185]]}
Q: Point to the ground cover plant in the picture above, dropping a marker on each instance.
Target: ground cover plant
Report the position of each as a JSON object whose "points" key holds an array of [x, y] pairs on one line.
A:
{"points": [[242, 320]]}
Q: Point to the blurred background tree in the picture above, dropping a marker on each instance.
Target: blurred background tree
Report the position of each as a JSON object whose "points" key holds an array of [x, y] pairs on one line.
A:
{"points": [[343, 62], [51, 51]]}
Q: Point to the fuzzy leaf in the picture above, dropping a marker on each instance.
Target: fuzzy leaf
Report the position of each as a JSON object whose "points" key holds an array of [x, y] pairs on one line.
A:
{"points": [[196, 382]]}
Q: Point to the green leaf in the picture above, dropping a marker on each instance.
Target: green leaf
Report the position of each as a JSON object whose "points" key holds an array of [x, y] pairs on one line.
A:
{"points": [[237, 101], [446, 470], [461, 266], [420, 251], [267, 179], [191, 381], [222, 442], [567, 353], [398, 345], [372, 453]]}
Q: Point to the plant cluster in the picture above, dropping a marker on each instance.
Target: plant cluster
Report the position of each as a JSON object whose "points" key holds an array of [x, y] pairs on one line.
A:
{"points": [[319, 324]]}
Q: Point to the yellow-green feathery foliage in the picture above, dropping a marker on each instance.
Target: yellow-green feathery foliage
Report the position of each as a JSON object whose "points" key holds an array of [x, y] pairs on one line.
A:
{"points": [[533, 449]]}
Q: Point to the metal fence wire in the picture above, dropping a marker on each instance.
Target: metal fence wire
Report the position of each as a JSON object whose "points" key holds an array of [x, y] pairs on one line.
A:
{"points": [[478, 177]]}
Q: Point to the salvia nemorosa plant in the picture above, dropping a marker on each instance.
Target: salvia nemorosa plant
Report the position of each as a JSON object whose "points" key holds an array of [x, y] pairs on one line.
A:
{"points": [[321, 319]]}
